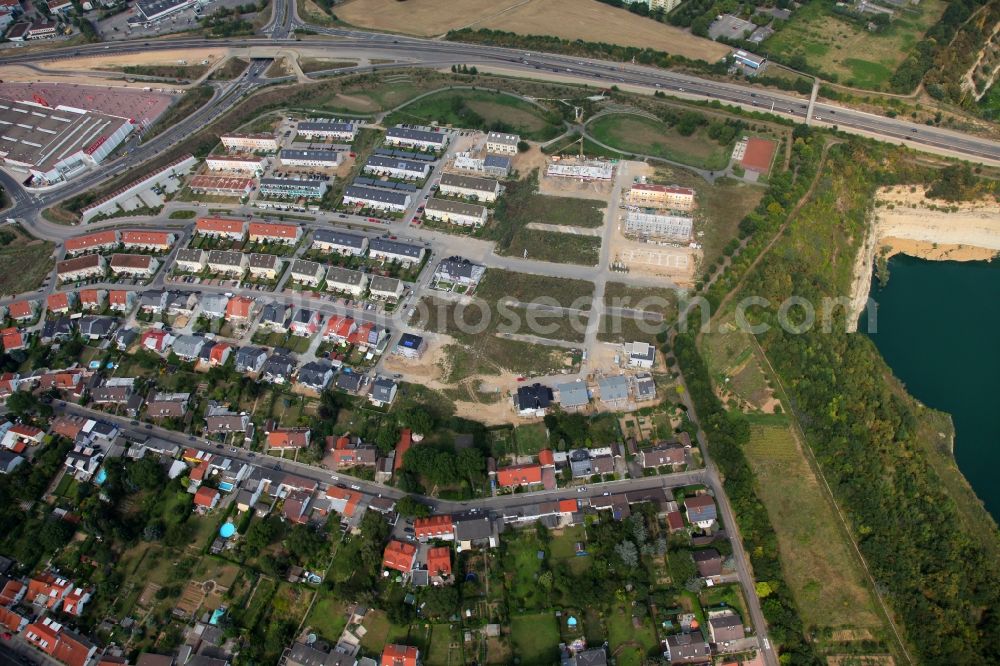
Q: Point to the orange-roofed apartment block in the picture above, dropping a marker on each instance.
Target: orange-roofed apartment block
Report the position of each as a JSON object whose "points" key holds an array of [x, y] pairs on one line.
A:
{"points": [[400, 655], [434, 527], [400, 556], [271, 233], [97, 242], [148, 240]]}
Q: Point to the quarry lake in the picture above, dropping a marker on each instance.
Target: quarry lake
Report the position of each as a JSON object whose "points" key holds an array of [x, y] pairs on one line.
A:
{"points": [[938, 328]]}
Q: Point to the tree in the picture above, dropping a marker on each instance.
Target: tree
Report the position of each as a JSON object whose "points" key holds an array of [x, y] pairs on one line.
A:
{"points": [[147, 474], [441, 602], [22, 403], [54, 534], [628, 553], [410, 506]]}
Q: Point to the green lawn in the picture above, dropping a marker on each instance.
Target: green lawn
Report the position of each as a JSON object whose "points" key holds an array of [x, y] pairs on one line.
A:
{"points": [[328, 617], [480, 109], [535, 638], [522, 567], [636, 639], [644, 136], [841, 49], [563, 546], [530, 438]]}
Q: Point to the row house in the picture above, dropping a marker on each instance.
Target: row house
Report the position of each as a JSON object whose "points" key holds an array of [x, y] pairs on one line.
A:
{"points": [[379, 199], [395, 167], [647, 195], [239, 163], [267, 232], [227, 262], [160, 241], [501, 143], [339, 328], [96, 242], [410, 137], [134, 265], [191, 260], [296, 188], [307, 272], [59, 643], [80, 268], [385, 249], [265, 266], [256, 143], [455, 212], [311, 157], [340, 242], [221, 227], [346, 280], [340, 130], [385, 288], [469, 187], [223, 186]]}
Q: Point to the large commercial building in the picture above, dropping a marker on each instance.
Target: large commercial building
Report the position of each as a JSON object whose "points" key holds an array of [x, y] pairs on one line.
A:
{"points": [[151, 11], [411, 137], [371, 197], [55, 144], [328, 129], [661, 196], [292, 187], [456, 212], [674, 227]]}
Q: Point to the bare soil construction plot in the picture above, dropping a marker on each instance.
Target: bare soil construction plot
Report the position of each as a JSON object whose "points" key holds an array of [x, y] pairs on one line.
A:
{"points": [[588, 20]]}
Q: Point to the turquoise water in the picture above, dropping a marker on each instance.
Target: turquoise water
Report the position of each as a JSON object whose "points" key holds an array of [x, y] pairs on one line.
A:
{"points": [[227, 530], [939, 330], [101, 477]]}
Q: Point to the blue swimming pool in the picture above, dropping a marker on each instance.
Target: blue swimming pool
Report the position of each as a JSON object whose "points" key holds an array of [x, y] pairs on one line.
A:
{"points": [[101, 477]]}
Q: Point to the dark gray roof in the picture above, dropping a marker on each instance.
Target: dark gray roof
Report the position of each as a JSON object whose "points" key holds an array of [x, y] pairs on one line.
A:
{"points": [[416, 135], [536, 396], [310, 154], [314, 373], [455, 207], [349, 381], [100, 326], [225, 257], [335, 237], [190, 254], [303, 267], [382, 389], [473, 529], [336, 274], [274, 312], [382, 283], [383, 162], [375, 194], [307, 126], [497, 161], [279, 364], [264, 261], [469, 182], [460, 267], [396, 247]]}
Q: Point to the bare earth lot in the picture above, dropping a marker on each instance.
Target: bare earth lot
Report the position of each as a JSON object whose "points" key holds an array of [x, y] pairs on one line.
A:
{"points": [[588, 20]]}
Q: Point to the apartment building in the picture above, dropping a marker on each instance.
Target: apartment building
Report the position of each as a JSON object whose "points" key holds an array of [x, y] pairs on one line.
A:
{"points": [[307, 272], [252, 164], [308, 188], [96, 242], [310, 157], [341, 242], [647, 195], [500, 143], [410, 137], [223, 186], [455, 212], [134, 265], [160, 241], [340, 130], [221, 227], [268, 232], [255, 143], [226, 262], [191, 260], [676, 227], [80, 268], [394, 167], [264, 266], [470, 187], [370, 197]]}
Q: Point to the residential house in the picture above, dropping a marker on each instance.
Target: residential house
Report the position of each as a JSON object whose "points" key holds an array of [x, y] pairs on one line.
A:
{"points": [[346, 280], [341, 242], [306, 322], [367, 336], [13, 339], [723, 629], [214, 306], [469, 187], [645, 387], [573, 395], [206, 498], [640, 355], [152, 301], [315, 375], [687, 648], [220, 354], [278, 368], [439, 564], [410, 346], [701, 510], [662, 454], [396, 167], [475, 532], [155, 339], [288, 438], [350, 382], [501, 143], [60, 302], [9, 461], [84, 460], [255, 143], [533, 401], [339, 328], [191, 260], [250, 359], [307, 272], [519, 475], [709, 562], [350, 452], [361, 196], [270, 232], [22, 311], [158, 408], [47, 590], [383, 392], [385, 288], [265, 266], [592, 657], [59, 643], [344, 501], [240, 309], [92, 299], [275, 316], [226, 262], [188, 347], [111, 395], [301, 654], [411, 137], [134, 265], [121, 300], [461, 271], [80, 268], [220, 227], [125, 338], [399, 555], [57, 330], [613, 390]]}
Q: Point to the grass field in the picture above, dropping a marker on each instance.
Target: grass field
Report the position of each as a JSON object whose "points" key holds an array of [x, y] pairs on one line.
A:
{"points": [[555, 247], [816, 559], [562, 211], [535, 638], [723, 205], [308, 65], [636, 639], [530, 438], [26, 263], [844, 49], [522, 567], [621, 329], [643, 136], [647, 299], [480, 109], [188, 104], [328, 617], [190, 72], [499, 284]]}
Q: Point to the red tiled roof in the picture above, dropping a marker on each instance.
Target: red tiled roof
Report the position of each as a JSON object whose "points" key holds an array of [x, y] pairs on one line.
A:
{"points": [[545, 457], [90, 297], [758, 154], [400, 655], [339, 327], [118, 297], [433, 526], [12, 339], [519, 475], [675, 521], [91, 240], [58, 301], [568, 506], [48, 586], [72, 651], [399, 555], [21, 309], [131, 261], [78, 264], [405, 441], [218, 352], [10, 592], [218, 225], [270, 230], [439, 561], [361, 334], [205, 496], [296, 438], [27, 431], [10, 620], [146, 237], [239, 307], [350, 498]]}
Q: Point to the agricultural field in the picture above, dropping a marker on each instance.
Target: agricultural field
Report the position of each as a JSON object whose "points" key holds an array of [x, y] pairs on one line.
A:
{"points": [[844, 51], [588, 20], [644, 136], [816, 558], [480, 109]]}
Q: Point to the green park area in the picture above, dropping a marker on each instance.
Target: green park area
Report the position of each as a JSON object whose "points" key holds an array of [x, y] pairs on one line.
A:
{"points": [[680, 143]]}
